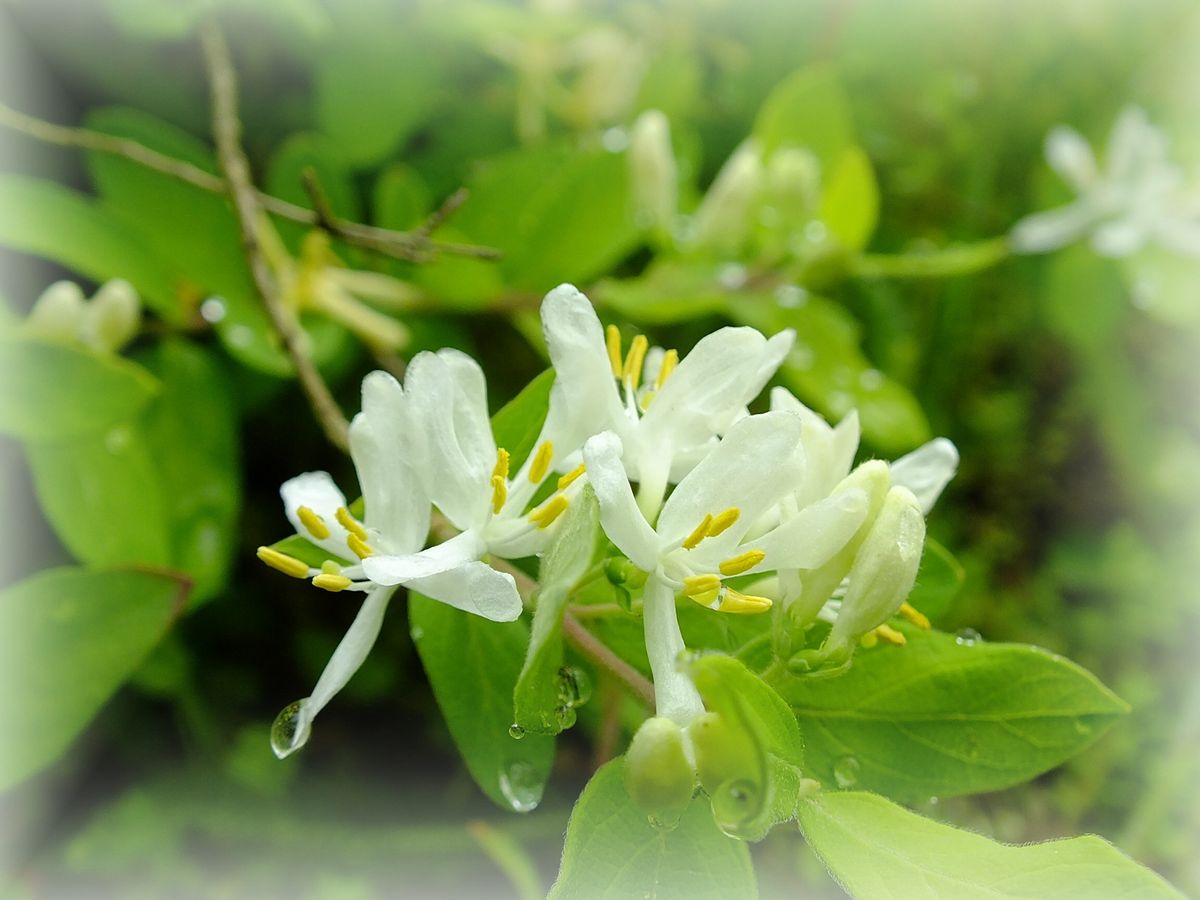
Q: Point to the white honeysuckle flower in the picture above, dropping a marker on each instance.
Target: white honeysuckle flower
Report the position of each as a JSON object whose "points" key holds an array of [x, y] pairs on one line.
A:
{"points": [[666, 411], [653, 171], [703, 534], [1135, 199], [449, 443]]}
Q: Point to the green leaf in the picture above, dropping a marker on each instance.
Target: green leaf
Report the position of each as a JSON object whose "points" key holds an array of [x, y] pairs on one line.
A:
{"points": [[70, 638], [943, 716], [48, 220], [285, 179], [876, 849], [538, 702], [400, 199], [807, 109], [612, 851], [473, 666], [666, 293], [939, 581], [850, 200], [518, 423], [54, 391]]}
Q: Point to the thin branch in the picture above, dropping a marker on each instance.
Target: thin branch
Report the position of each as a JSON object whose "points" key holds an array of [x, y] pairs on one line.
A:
{"points": [[227, 130], [595, 650], [449, 207]]}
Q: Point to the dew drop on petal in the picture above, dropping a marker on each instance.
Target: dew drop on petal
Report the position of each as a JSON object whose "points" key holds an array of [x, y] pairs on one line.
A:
{"points": [[845, 771], [289, 732], [520, 785], [967, 637]]}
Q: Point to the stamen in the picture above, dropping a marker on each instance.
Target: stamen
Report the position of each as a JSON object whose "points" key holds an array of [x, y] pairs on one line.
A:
{"points": [[694, 585], [743, 562], [281, 562], [499, 493], [501, 469], [568, 479], [914, 615], [721, 521], [313, 523], [670, 361], [612, 338], [732, 601], [549, 511], [891, 635], [647, 399], [350, 523], [333, 583], [699, 534], [632, 374], [360, 548], [541, 462]]}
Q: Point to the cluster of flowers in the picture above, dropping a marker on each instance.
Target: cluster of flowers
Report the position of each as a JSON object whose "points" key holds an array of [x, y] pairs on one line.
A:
{"points": [[769, 495]]}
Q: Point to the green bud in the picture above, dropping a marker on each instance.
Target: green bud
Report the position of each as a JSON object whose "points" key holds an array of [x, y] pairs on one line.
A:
{"points": [[658, 776], [725, 219], [57, 313], [794, 181], [653, 171], [623, 573], [112, 318]]}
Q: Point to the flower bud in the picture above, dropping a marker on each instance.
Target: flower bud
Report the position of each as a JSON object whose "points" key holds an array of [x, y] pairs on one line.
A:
{"points": [[57, 313], [726, 217], [112, 318], [794, 181], [658, 776], [653, 170]]}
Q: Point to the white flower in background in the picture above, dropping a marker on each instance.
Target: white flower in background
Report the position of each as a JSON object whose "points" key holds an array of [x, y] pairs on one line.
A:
{"points": [[667, 412], [703, 535], [395, 525], [106, 322], [653, 171], [1135, 199]]}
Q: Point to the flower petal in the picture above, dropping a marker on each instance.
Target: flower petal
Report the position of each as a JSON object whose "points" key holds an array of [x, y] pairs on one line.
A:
{"points": [[675, 696], [1046, 231], [474, 587], [396, 569], [397, 511], [811, 538], [1122, 237], [927, 470], [623, 522], [1071, 157], [317, 491]]}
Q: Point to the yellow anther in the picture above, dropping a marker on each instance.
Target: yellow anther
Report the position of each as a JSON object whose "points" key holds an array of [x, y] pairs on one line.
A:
{"points": [[568, 479], [329, 567], [914, 615], [359, 547], [670, 361], [695, 585], [501, 469], [632, 373], [549, 511], [612, 339], [868, 640], [334, 583], [743, 562], [499, 493], [350, 523], [313, 523], [646, 399], [721, 521], [742, 604], [541, 462], [281, 562], [700, 533], [891, 635]]}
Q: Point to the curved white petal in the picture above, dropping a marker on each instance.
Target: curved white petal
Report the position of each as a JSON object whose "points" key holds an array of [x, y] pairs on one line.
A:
{"points": [[675, 696], [1046, 231], [474, 587], [927, 470], [1120, 238], [1071, 157], [623, 522], [1180, 235], [317, 491], [811, 538], [393, 569], [397, 511], [1132, 143]]}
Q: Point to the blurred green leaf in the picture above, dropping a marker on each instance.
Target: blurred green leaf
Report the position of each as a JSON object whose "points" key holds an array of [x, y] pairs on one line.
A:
{"points": [[807, 109], [285, 179], [70, 638], [400, 199], [939, 581], [850, 200], [518, 423], [943, 716], [666, 293], [876, 849], [473, 665], [612, 850], [54, 391]]}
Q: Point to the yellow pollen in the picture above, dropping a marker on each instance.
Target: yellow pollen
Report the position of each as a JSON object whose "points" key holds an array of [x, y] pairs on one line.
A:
{"points": [[570, 477], [742, 604], [499, 493], [891, 635], [868, 640], [334, 583], [695, 585], [914, 615], [632, 374], [541, 462], [501, 469], [699, 534], [721, 521], [329, 567], [647, 399], [360, 547], [281, 562], [350, 523], [670, 361], [743, 562], [612, 338], [313, 523], [549, 511]]}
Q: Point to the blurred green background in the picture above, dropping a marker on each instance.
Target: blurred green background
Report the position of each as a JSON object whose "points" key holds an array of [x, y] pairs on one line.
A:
{"points": [[1069, 386]]}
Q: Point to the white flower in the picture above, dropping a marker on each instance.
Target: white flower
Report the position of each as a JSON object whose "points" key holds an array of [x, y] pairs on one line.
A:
{"points": [[703, 534], [1137, 198], [667, 412], [106, 323]]}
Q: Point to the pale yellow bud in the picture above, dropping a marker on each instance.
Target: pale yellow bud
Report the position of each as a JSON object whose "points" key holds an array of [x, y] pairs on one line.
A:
{"points": [[658, 776], [112, 318], [57, 312], [725, 219], [653, 171]]}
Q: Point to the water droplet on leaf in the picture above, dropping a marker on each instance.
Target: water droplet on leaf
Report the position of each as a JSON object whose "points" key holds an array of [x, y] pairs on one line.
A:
{"points": [[290, 731], [565, 715], [520, 785], [574, 686], [515, 731], [967, 637], [845, 771]]}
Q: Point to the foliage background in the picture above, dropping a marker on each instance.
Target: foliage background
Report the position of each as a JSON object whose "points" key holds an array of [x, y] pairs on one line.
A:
{"points": [[1071, 398]]}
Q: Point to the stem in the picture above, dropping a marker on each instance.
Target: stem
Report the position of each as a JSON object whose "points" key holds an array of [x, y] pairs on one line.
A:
{"points": [[591, 647], [959, 259], [227, 130]]}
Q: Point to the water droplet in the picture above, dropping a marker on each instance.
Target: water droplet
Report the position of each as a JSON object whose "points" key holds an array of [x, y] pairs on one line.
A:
{"points": [[290, 731], [520, 785], [815, 231], [870, 379], [845, 771], [614, 140], [241, 336], [933, 801], [416, 633], [212, 309], [731, 276], [565, 716], [791, 296], [515, 731], [117, 440], [967, 637], [574, 686]]}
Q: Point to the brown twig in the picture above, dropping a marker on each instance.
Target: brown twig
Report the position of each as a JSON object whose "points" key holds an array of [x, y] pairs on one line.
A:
{"points": [[595, 650], [227, 130]]}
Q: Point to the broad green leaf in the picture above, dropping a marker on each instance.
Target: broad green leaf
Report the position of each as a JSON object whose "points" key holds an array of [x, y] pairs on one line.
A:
{"points": [[807, 109], [70, 638], [944, 716], [666, 293], [540, 702], [939, 581], [518, 423], [876, 849], [400, 199], [473, 666], [612, 851], [850, 200], [285, 179], [54, 391], [103, 494], [48, 220]]}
